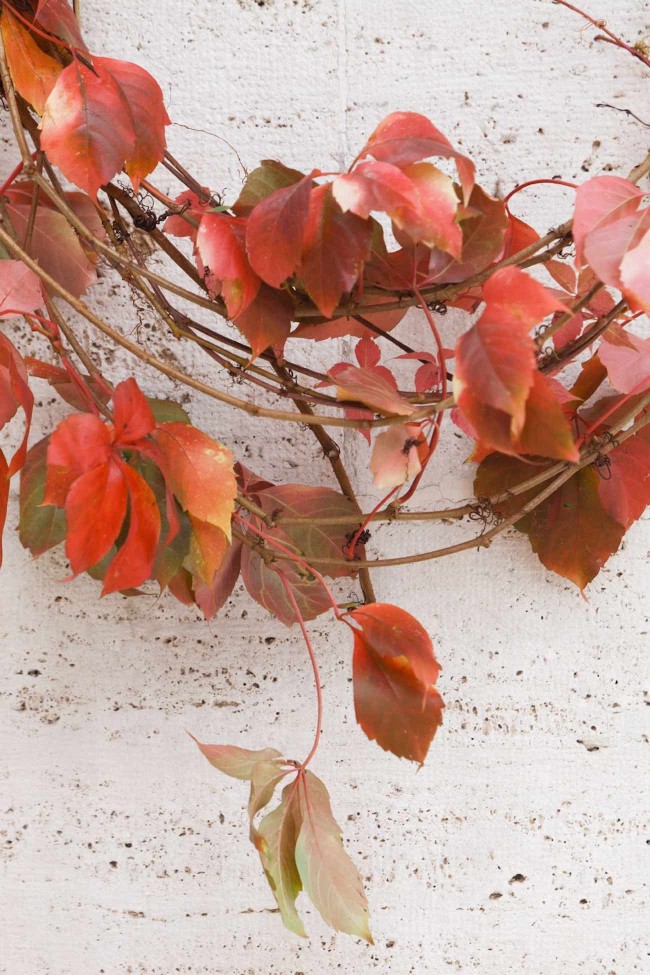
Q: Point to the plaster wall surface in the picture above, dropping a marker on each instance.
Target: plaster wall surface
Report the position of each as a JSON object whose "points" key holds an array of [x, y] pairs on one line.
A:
{"points": [[523, 844]]}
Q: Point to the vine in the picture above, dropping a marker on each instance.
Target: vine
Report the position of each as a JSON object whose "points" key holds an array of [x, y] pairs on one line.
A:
{"points": [[550, 383]]}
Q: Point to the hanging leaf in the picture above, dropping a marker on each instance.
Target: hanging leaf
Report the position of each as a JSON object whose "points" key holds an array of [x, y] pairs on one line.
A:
{"points": [[133, 563], [483, 228], [211, 598], [394, 673], [625, 492], [275, 840], [635, 276], [236, 762], [57, 16], [327, 873], [15, 394], [95, 507], [55, 246]]}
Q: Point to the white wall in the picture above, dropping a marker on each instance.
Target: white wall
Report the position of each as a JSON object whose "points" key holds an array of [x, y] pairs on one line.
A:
{"points": [[123, 851]]}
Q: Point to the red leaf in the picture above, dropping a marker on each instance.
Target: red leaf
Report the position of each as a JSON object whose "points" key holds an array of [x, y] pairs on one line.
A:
{"points": [[607, 247], [371, 388], [4, 495], [134, 561], [148, 113], [55, 246], [394, 673], [601, 201], [95, 507], [570, 531], [625, 493], [367, 353], [627, 360], [132, 414], [80, 443], [57, 17], [336, 246], [432, 221], [87, 127], [175, 225], [33, 72], [374, 186], [220, 244], [267, 320], [635, 274], [495, 359], [546, 431], [20, 289], [14, 394], [483, 229], [275, 232], [406, 137], [397, 455], [265, 586], [200, 472]]}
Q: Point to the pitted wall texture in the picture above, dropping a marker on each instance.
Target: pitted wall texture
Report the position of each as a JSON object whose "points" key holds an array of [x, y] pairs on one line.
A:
{"points": [[522, 845]]}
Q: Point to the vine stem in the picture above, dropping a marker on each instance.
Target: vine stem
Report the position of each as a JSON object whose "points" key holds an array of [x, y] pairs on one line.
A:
{"points": [[485, 540], [610, 36], [435, 435], [314, 667], [536, 182]]}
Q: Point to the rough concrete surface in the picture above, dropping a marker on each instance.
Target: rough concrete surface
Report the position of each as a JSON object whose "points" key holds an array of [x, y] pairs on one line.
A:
{"points": [[523, 844]]}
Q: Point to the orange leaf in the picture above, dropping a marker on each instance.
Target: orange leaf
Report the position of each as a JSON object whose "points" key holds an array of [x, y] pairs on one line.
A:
{"points": [[200, 472], [33, 72]]}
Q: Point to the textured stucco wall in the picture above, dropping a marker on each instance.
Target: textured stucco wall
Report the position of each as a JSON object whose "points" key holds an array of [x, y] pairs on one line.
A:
{"points": [[523, 844]]}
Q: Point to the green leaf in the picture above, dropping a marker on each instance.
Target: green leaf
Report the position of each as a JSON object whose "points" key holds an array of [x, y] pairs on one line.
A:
{"points": [[40, 528], [167, 411], [262, 181], [264, 778], [327, 873], [236, 762], [275, 841]]}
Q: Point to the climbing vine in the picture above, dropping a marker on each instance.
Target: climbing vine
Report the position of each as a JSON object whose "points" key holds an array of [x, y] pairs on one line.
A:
{"points": [[549, 383]]}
